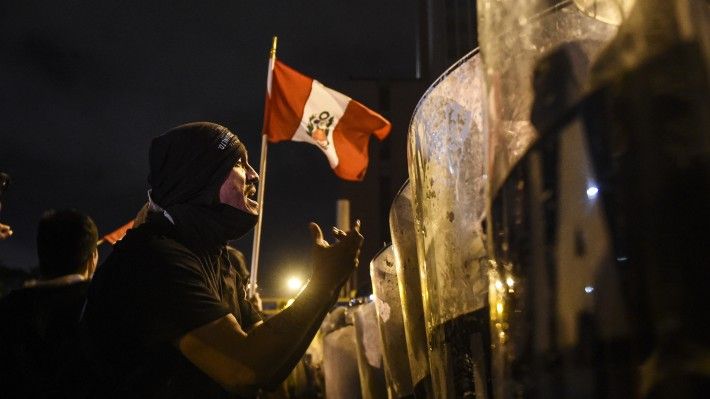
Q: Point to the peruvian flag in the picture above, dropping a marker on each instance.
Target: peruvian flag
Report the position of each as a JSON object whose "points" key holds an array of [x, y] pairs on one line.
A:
{"points": [[118, 234], [299, 108]]}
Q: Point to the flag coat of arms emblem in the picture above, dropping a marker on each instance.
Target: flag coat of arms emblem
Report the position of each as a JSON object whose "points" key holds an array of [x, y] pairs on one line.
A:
{"points": [[299, 108]]}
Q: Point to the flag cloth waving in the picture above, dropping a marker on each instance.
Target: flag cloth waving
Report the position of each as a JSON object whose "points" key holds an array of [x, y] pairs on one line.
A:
{"points": [[299, 108], [118, 234]]}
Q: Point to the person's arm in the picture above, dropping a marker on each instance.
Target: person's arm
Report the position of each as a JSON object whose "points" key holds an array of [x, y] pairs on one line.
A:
{"points": [[239, 361]]}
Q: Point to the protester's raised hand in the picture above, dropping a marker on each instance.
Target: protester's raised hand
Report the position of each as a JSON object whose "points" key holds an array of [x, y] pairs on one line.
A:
{"points": [[333, 263], [5, 231]]}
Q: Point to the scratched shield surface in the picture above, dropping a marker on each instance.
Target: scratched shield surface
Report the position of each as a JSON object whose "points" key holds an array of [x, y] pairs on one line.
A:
{"points": [[385, 288], [401, 220], [447, 157], [515, 35]]}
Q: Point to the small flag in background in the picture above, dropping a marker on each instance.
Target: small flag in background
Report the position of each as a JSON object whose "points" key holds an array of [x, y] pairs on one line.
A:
{"points": [[118, 234], [299, 108]]}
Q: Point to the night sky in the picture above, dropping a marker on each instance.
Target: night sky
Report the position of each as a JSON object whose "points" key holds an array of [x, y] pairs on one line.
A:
{"points": [[85, 86]]}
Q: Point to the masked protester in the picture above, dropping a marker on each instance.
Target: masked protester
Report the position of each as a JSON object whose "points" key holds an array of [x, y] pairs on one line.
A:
{"points": [[163, 316]]}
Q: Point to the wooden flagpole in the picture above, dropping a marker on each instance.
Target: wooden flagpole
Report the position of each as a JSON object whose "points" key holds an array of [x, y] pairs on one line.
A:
{"points": [[262, 182]]}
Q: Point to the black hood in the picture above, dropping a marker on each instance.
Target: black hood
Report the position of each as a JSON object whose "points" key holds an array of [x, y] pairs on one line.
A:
{"points": [[188, 165]]}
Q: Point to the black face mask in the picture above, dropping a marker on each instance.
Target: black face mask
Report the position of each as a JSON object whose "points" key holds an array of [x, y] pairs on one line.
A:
{"points": [[209, 227], [235, 222]]}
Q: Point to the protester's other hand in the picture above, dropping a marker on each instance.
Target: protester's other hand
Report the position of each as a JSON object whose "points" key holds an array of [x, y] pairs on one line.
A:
{"points": [[5, 231], [333, 263]]}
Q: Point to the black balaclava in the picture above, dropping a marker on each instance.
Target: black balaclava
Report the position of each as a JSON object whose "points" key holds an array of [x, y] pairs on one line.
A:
{"points": [[188, 165]]}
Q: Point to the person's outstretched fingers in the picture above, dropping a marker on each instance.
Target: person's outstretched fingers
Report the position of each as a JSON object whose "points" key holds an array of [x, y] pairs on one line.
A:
{"points": [[339, 234]]}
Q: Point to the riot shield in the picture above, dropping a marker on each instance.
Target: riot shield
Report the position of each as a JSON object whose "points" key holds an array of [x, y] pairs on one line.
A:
{"points": [[447, 170], [404, 246], [594, 228], [649, 121], [385, 288], [557, 309], [514, 35], [340, 366], [368, 343]]}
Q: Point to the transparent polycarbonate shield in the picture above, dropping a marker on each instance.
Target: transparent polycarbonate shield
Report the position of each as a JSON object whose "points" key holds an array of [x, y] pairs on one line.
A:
{"points": [[368, 343], [404, 246], [447, 141], [514, 35], [595, 233], [340, 366], [385, 288], [555, 291], [609, 11], [651, 28], [653, 152]]}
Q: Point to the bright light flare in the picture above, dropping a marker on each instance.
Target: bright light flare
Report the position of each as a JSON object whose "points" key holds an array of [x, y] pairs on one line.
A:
{"points": [[294, 283]]}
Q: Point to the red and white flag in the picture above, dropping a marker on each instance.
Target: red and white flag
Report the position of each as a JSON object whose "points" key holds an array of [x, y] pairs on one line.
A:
{"points": [[118, 234], [299, 108]]}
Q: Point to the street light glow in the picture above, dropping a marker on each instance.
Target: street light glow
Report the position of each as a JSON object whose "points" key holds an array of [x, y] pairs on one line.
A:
{"points": [[294, 283]]}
